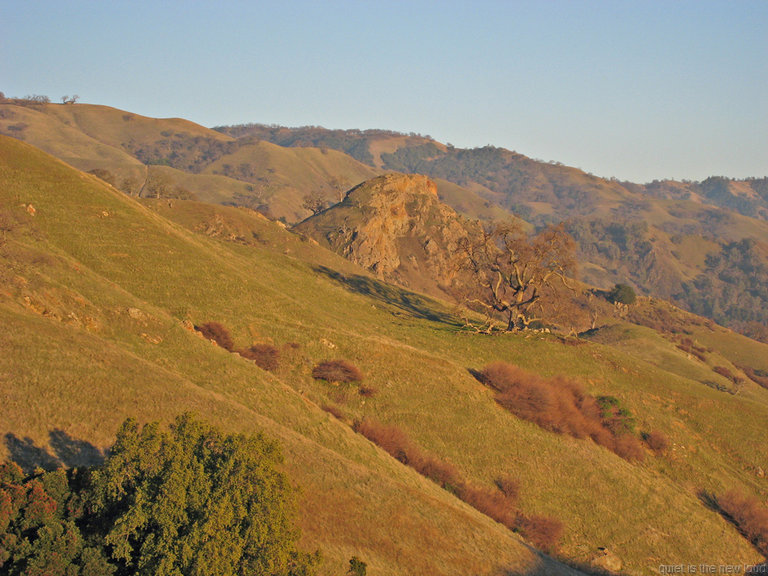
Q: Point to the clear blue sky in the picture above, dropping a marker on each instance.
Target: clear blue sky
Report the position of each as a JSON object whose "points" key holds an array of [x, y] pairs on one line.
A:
{"points": [[634, 89]]}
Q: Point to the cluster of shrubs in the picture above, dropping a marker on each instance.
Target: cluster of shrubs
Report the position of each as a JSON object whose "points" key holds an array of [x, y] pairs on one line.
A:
{"points": [[561, 405], [337, 372], [688, 346], [749, 515], [217, 333], [657, 441], [726, 373], [759, 377], [342, 372], [265, 356], [664, 319], [499, 503]]}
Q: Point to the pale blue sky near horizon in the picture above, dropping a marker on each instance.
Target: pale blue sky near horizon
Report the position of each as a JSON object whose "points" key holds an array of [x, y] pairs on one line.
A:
{"points": [[636, 90]]}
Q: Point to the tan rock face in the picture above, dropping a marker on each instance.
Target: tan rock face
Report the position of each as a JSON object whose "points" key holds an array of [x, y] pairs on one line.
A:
{"points": [[396, 226]]}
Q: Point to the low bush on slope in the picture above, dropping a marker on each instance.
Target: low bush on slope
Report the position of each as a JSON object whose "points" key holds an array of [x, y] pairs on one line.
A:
{"points": [[749, 515], [499, 503], [561, 405]]}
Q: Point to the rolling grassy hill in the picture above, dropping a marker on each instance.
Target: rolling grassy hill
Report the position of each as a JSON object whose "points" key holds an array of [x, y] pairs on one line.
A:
{"points": [[656, 236], [98, 295], [680, 241], [209, 165]]}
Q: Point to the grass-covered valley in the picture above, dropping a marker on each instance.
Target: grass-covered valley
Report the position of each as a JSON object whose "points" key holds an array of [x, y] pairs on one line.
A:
{"points": [[102, 288]]}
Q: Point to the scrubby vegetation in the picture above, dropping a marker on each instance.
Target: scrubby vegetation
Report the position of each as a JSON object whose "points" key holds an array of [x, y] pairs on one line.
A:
{"points": [[759, 377], [726, 372], [749, 515], [265, 356], [561, 405], [733, 289], [188, 500], [689, 346], [218, 333], [499, 502], [622, 294], [657, 441], [337, 372]]}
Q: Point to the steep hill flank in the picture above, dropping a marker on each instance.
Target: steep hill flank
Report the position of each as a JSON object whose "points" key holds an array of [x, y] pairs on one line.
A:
{"points": [[95, 288], [94, 292], [395, 226]]}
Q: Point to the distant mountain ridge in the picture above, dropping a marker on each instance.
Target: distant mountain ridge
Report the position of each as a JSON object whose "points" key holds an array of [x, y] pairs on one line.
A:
{"points": [[516, 181], [682, 241]]}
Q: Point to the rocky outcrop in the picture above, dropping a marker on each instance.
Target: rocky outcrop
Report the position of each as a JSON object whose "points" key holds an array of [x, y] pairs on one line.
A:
{"points": [[395, 226]]}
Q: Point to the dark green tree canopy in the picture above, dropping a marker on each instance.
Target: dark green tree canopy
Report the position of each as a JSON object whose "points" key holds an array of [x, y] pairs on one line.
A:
{"points": [[191, 500], [622, 294], [39, 534], [183, 501]]}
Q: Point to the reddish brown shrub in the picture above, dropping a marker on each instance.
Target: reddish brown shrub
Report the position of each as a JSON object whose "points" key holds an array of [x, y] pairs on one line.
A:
{"points": [[629, 448], [499, 504], [337, 371], [759, 377], [561, 405], [544, 532], [218, 333], [439, 471], [333, 410], [395, 442], [492, 503], [657, 441], [509, 487], [687, 345], [266, 356], [725, 372], [389, 438], [749, 515]]}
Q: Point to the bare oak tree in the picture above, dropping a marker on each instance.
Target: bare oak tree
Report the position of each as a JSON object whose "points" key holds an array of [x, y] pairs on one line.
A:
{"points": [[511, 275], [314, 202]]}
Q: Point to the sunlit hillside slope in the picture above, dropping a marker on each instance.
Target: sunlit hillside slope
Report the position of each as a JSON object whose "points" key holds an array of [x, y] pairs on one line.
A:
{"points": [[98, 296]]}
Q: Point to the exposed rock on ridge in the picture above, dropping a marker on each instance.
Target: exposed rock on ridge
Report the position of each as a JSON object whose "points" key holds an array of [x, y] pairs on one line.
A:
{"points": [[395, 226]]}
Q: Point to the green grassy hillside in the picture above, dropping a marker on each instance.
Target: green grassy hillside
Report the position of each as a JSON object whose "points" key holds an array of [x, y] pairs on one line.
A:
{"points": [[96, 289], [98, 293]]}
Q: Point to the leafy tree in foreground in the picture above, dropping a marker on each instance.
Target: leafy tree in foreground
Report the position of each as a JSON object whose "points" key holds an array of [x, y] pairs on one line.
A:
{"points": [[191, 500], [38, 527]]}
